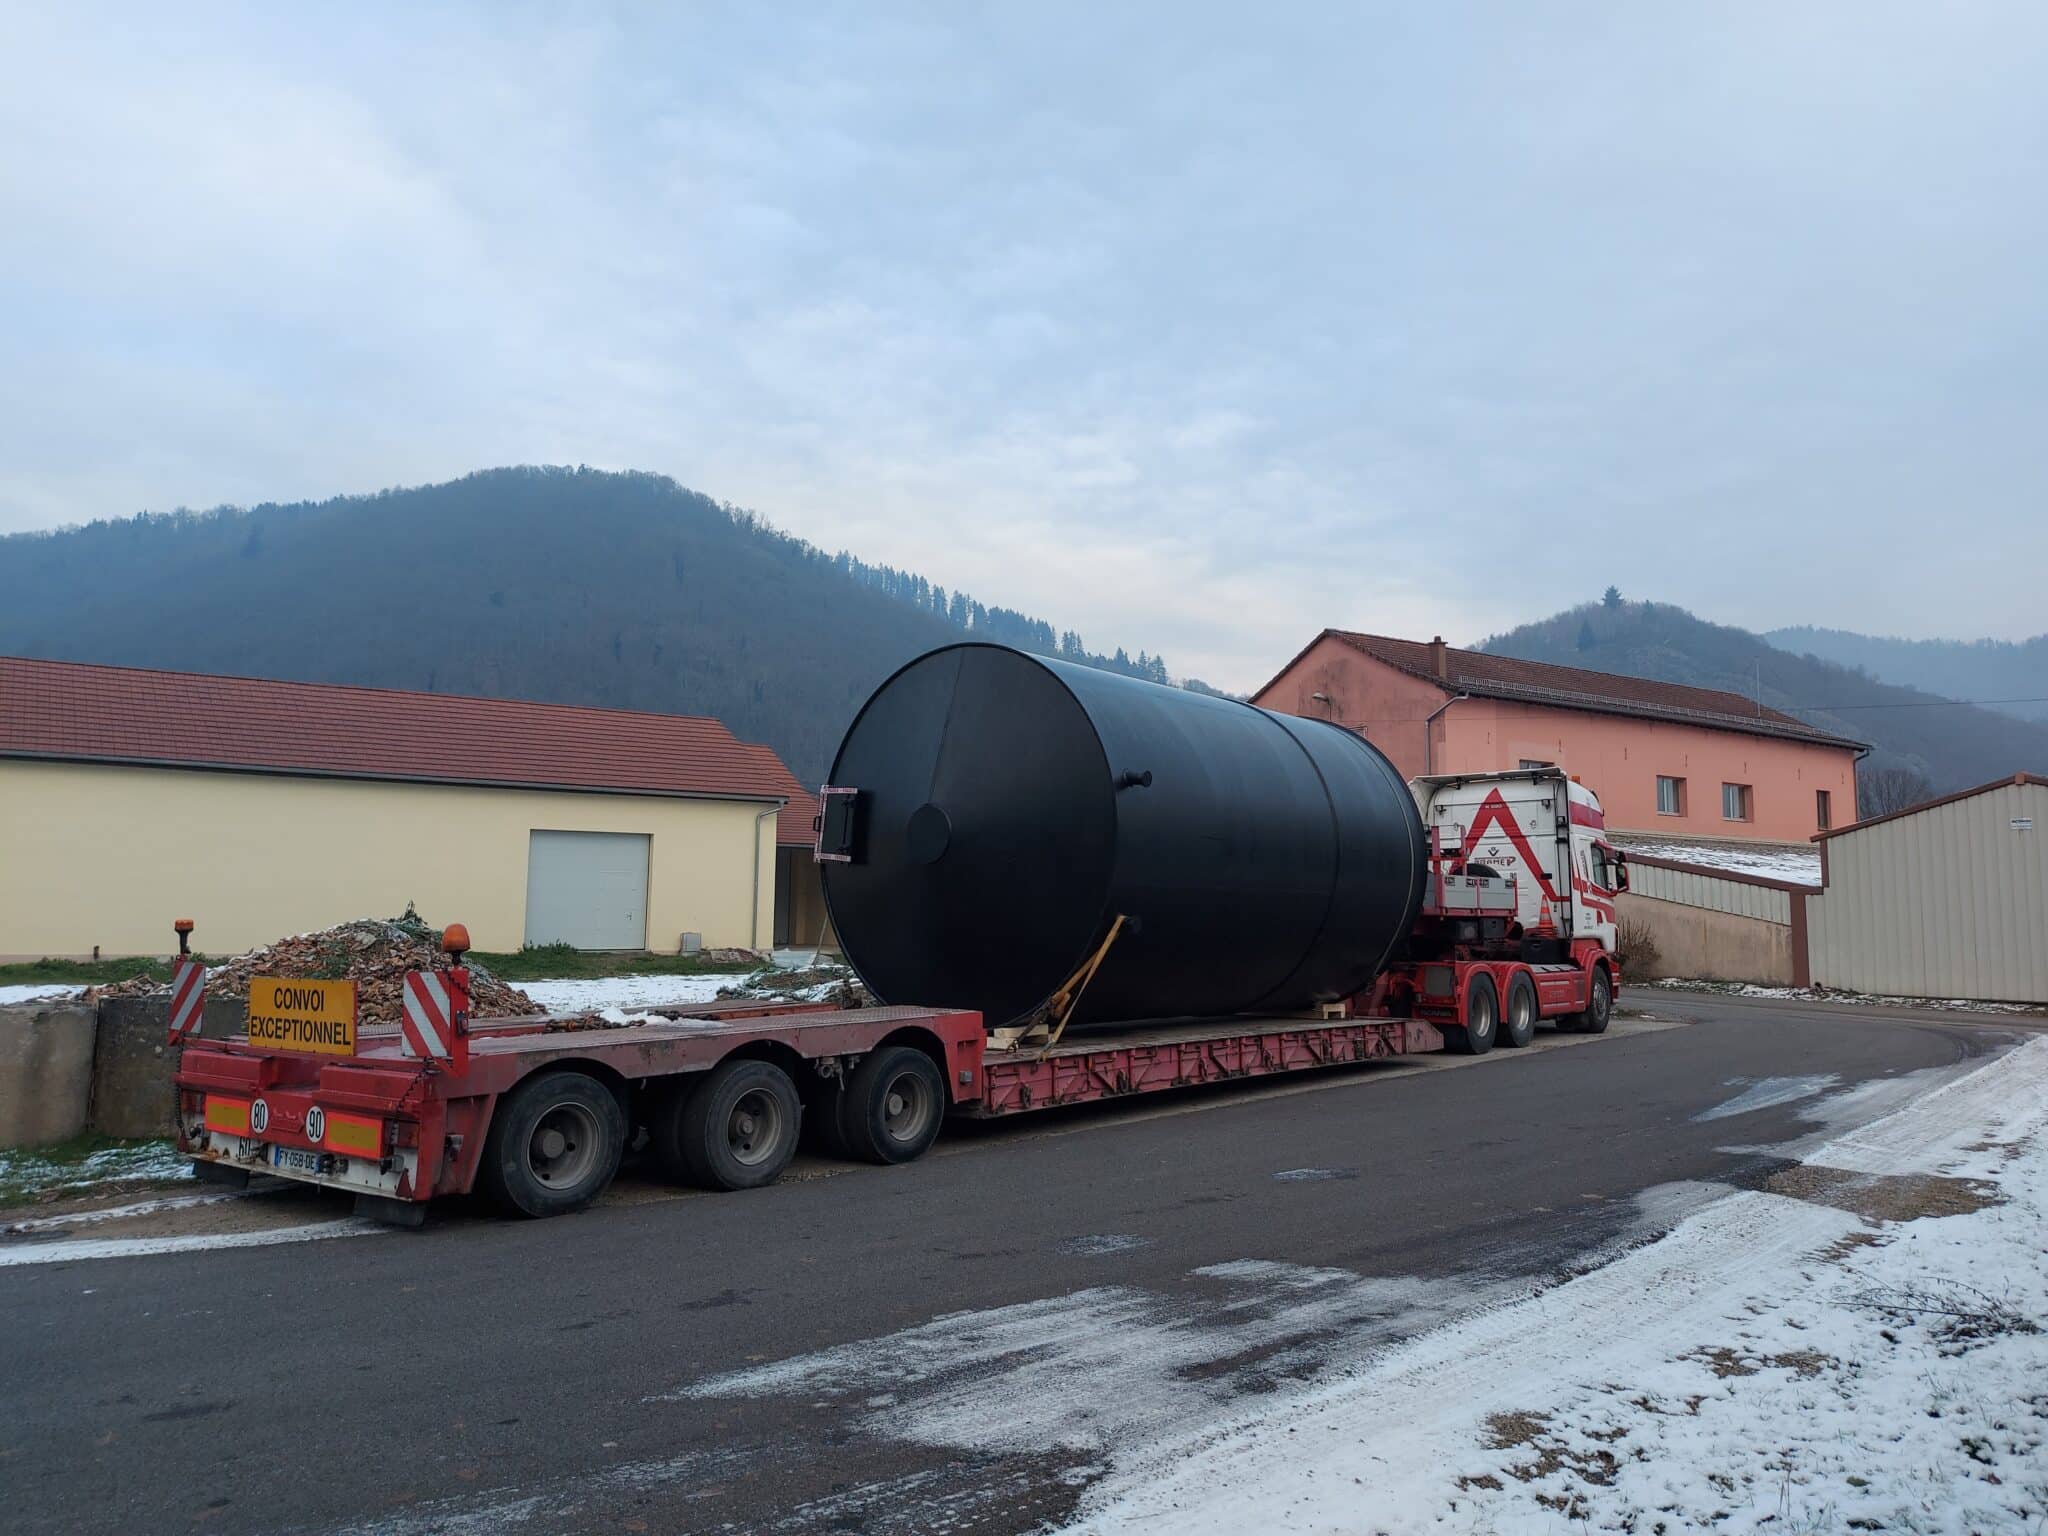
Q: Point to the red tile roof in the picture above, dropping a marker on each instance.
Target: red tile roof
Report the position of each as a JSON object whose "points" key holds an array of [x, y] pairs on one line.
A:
{"points": [[69, 710], [1487, 676]]}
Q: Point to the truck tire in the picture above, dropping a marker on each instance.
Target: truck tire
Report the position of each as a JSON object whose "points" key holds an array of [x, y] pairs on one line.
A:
{"points": [[1482, 1019], [1599, 1008], [1518, 1023], [736, 1129], [554, 1145], [894, 1104]]}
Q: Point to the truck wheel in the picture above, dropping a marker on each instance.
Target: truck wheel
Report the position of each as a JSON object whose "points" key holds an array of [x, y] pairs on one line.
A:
{"points": [[554, 1145], [894, 1103], [1482, 1019], [1599, 1008], [1518, 1026], [737, 1129]]}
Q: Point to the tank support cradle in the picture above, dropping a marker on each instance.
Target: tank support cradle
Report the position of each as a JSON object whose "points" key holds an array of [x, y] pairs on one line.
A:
{"points": [[1045, 1029]]}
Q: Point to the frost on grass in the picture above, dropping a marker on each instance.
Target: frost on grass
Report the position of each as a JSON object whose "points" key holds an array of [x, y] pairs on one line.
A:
{"points": [[30, 1174], [1847, 999], [1860, 1346]]}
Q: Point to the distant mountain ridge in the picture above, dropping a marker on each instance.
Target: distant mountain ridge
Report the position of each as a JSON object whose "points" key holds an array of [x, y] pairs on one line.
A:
{"points": [[2013, 674], [555, 584], [1954, 745]]}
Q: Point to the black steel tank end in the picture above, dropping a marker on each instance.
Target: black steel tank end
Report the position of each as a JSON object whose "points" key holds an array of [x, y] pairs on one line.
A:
{"points": [[1012, 805]]}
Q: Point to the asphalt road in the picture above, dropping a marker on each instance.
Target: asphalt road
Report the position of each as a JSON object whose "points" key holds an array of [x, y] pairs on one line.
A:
{"points": [[962, 1344]]}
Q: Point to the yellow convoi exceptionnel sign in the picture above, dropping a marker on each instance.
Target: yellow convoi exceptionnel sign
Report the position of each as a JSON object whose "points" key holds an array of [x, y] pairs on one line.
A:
{"points": [[288, 1013]]}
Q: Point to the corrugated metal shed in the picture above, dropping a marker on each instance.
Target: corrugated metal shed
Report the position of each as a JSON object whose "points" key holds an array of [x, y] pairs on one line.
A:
{"points": [[1717, 892], [1947, 900]]}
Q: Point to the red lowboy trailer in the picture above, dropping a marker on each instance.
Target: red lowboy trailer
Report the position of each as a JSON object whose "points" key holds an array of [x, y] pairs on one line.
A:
{"points": [[1515, 925], [541, 1114]]}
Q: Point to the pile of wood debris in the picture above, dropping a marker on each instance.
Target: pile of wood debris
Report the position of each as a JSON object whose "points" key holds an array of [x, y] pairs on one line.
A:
{"points": [[374, 953]]}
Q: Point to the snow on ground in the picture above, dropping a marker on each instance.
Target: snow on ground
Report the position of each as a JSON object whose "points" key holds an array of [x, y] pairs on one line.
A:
{"points": [[36, 993], [28, 1174], [1799, 865], [624, 992], [1851, 999], [1856, 1346], [630, 996], [72, 1250]]}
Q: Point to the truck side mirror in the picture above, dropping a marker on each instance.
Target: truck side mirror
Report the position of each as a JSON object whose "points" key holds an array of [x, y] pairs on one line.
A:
{"points": [[1620, 870]]}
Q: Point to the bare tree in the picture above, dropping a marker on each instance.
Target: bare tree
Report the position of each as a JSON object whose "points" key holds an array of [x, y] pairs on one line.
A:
{"points": [[1880, 791]]}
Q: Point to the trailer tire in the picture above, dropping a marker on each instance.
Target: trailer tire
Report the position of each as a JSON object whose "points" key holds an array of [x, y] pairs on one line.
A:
{"points": [[1599, 1007], [894, 1104], [1518, 1022], [1482, 1019], [554, 1145], [736, 1129]]}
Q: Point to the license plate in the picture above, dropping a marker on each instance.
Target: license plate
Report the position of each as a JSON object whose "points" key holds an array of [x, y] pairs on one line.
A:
{"points": [[292, 1160]]}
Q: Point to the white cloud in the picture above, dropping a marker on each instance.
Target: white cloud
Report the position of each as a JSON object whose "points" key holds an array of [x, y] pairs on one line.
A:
{"points": [[1190, 332]]}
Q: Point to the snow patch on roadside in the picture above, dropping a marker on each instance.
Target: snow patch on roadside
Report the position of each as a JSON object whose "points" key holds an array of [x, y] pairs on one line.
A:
{"points": [[65, 1252], [67, 1219], [1771, 1359], [36, 993], [1769, 1092], [26, 1173], [1847, 999], [625, 992], [1105, 1367]]}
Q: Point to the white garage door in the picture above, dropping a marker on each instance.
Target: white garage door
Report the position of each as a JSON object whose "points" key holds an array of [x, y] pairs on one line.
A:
{"points": [[588, 889]]}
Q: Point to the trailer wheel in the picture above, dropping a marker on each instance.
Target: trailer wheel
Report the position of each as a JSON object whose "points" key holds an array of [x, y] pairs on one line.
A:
{"points": [[737, 1129], [554, 1145], [1518, 1025], [894, 1104], [1599, 1008], [1482, 1019]]}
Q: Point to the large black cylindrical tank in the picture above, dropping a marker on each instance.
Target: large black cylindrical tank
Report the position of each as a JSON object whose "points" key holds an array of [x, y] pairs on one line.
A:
{"points": [[1005, 816]]}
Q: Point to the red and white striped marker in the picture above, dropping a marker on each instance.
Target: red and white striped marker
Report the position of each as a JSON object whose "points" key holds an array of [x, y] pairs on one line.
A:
{"points": [[188, 998], [436, 1022]]}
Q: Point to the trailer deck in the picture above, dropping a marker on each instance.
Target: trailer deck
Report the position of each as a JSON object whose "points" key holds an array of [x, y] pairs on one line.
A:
{"points": [[872, 1083]]}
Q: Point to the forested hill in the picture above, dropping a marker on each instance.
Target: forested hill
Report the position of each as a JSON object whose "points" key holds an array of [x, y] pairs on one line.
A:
{"points": [[2012, 674], [564, 585], [1954, 746]]}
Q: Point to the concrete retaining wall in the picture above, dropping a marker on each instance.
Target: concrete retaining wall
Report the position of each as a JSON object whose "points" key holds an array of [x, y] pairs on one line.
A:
{"points": [[1712, 946], [131, 1091], [46, 1059]]}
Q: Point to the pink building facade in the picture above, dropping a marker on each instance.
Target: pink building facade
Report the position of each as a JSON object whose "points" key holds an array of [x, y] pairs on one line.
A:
{"points": [[1664, 759]]}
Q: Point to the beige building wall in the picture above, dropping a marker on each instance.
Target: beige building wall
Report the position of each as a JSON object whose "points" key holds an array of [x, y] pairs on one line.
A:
{"points": [[95, 854], [1950, 901], [1701, 943]]}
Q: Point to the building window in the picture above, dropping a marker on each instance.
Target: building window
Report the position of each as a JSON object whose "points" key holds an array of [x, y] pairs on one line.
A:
{"points": [[1735, 802], [1532, 762], [1821, 809], [1670, 796]]}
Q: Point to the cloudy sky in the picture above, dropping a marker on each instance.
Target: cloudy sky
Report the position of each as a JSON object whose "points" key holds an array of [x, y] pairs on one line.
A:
{"points": [[1192, 328]]}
